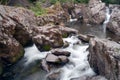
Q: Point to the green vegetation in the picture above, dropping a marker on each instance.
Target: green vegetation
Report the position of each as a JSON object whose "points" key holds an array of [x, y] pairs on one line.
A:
{"points": [[37, 9], [4, 2]]}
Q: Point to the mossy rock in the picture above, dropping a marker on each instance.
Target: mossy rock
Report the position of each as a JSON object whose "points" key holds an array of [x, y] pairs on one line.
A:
{"points": [[46, 47], [65, 35]]}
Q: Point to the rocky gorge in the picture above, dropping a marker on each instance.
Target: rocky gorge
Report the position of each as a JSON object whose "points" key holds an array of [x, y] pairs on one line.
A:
{"points": [[44, 47]]}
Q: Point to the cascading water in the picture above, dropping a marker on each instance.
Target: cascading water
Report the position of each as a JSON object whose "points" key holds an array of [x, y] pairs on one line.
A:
{"points": [[107, 19], [78, 65]]}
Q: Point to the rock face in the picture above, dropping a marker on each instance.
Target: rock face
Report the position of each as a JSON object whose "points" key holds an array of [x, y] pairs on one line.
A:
{"points": [[104, 58], [114, 23], [24, 24], [97, 11], [93, 12]]}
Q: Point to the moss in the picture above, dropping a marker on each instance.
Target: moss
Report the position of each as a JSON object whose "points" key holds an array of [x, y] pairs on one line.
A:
{"points": [[37, 9], [46, 47], [65, 35]]}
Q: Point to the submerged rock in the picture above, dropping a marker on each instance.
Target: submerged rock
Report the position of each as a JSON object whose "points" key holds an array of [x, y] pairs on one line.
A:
{"points": [[104, 58], [114, 23], [54, 76]]}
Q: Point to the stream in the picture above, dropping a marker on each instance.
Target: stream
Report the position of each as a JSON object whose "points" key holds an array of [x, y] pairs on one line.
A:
{"points": [[28, 68]]}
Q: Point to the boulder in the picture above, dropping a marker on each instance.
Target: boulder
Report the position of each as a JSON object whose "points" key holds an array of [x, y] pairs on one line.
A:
{"points": [[50, 36], [85, 38], [10, 49], [97, 10], [51, 58], [114, 23], [59, 52], [104, 58], [24, 24]]}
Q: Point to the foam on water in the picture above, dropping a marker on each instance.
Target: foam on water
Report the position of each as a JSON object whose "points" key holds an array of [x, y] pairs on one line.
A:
{"points": [[78, 65], [32, 54]]}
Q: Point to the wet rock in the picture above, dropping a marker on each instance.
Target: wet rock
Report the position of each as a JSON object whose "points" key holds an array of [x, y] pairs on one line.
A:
{"points": [[50, 36], [114, 23], [45, 65], [104, 58], [63, 59], [85, 38], [59, 52], [51, 58], [97, 11], [66, 44], [54, 76]]}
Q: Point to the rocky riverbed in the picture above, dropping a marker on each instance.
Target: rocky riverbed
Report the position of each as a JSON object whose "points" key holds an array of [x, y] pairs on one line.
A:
{"points": [[71, 42]]}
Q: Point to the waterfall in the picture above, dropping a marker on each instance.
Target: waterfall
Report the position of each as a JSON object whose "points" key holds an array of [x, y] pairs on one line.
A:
{"points": [[107, 19]]}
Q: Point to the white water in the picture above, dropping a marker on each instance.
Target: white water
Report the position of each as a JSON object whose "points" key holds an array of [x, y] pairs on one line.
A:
{"points": [[72, 20], [106, 20], [32, 54], [78, 65]]}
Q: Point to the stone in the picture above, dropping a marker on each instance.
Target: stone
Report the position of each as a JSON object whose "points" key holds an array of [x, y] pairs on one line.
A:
{"points": [[45, 65], [52, 58], [63, 59], [104, 58], [59, 52], [114, 23]]}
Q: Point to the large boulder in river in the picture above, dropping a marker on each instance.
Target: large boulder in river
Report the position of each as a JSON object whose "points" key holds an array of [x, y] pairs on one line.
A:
{"points": [[114, 23], [104, 58], [97, 11], [50, 36]]}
